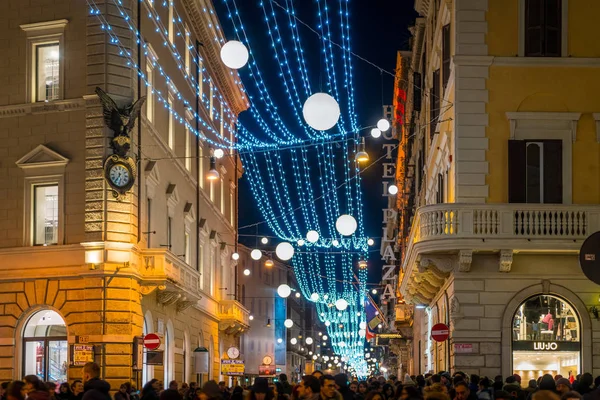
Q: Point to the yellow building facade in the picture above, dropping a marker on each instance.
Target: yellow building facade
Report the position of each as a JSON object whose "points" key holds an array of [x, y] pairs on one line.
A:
{"points": [[86, 273], [502, 187]]}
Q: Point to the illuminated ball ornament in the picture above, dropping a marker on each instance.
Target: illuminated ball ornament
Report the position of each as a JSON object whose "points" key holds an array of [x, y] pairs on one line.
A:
{"points": [[284, 251], [392, 189], [234, 54], [235, 256], [341, 304], [293, 340], [247, 272], [327, 323], [375, 133], [256, 254], [312, 236], [301, 242], [284, 290], [362, 333], [288, 323], [279, 340], [363, 325], [383, 125], [346, 225], [309, 340], [219, 153], [370, 242], [298, 294], [251, 317], [374, 291], [335, 243], [314, 297], [264, 240], [315, 357], [321, 111]]}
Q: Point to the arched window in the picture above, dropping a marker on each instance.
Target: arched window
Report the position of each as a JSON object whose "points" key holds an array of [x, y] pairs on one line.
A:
{"points": [[147, 370], [546, 338], [186, 357], [45, 346], [169, 355]]}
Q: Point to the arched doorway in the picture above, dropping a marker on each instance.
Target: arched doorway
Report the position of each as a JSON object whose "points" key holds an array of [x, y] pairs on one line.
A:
{"points": [[546, 338], [45, 348]]}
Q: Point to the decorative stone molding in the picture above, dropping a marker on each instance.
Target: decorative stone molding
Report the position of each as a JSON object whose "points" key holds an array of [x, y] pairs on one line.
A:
{"points": [[465, 258], [442, 263], [455, 313], [546, 286], [168, 297], [561, 120], [149, 288], [183, 305], [172, 198], [152, 178], [42, 108], [42, 158], [505, 260]]}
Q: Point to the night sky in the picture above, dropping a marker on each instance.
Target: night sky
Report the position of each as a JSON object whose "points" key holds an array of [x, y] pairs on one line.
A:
{"points": [[379, 28]]}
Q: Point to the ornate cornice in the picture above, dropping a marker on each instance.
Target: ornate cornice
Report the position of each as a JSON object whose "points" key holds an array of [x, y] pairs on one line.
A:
{"points": [[20, 110]]}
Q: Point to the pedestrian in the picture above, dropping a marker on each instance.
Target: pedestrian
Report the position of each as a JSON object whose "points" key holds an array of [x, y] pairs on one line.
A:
{"points": [[374, 396], [531, 386], [51, 388], [572, 395], [484, 392], [474, 383], [410, 392], [309, 388], [362, 388], [317, 374], [354, 387], [545, 395], [15, 391], [387, 391], [498, 383], [585, 384], [170, 394], [563, 386], [150, 390], [287, 388], [122, 393], [260, 390], [328, 388], [462, 392], [341, 383], [3, 388], [238, 393], [64, 392], [77, 390], [91, 379], [35, 389]]}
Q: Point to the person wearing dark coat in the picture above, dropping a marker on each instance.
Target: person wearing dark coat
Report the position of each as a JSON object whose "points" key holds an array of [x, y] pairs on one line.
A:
{"points": [[91, 380], [35, 388], [341, 382], [150, 390], [238, 393], [585, 384]]}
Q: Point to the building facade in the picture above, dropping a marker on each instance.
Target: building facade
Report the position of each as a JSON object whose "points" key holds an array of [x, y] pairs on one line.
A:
{"points": [[87, 270], [500, 188]]}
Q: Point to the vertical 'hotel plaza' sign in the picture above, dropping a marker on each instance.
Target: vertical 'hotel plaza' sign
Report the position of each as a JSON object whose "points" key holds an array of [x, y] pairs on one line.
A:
{"points": [[394, 147]]}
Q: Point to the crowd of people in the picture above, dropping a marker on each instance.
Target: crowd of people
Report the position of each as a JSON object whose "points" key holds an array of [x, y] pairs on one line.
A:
{"points": [[317, 386]]}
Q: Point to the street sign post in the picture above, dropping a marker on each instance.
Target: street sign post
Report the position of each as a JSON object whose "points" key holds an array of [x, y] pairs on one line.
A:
{"points": [[440, 332], [152, 341]]}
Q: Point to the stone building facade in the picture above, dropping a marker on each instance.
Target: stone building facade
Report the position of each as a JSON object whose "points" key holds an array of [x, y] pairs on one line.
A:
{"points": [[500, 191], [79, 266]]}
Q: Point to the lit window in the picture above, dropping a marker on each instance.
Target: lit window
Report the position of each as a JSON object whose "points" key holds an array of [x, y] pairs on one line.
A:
{"points": [[210, 102], [187, 51], [211, 191], [186, 247], [45, 216], [201, 264], [171, 123], [149, 91], [171, 35], [188, 150], [47, 71], [231, 205], [221, 120]]}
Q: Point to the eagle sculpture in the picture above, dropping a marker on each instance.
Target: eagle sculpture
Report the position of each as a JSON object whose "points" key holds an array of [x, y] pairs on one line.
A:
{"points": [[120, 120]]}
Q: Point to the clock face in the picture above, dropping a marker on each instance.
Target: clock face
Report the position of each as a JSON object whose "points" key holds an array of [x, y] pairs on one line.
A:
{"points": [[233, 352], [119, 175], [267, 360]]}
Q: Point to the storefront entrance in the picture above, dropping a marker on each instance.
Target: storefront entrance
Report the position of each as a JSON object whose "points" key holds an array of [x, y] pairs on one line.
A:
{"points": [[45, 349], [546, 338]]}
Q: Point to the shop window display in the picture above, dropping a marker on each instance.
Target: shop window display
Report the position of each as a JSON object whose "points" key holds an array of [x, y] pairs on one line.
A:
{"points": [[45, 347], [546, 338]]}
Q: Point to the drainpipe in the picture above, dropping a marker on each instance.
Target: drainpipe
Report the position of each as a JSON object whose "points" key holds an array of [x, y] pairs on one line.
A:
{"points": [[198, 160]]}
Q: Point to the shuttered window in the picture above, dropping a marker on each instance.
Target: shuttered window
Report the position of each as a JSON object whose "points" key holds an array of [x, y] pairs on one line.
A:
{"points": [[535, 171], [434, 102], [543, 27]]}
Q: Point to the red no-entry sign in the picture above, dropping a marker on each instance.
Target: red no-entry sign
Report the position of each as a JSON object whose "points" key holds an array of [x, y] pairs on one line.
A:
{"points": [[440, 332], [152, 341]]}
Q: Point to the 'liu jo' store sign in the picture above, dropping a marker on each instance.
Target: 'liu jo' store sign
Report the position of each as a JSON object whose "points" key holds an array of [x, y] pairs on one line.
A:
{"points": [[528, 345]]}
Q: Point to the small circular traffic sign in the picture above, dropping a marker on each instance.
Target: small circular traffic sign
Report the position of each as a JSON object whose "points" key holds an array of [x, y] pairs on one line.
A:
{"points": [[152, 341], [589, 258], [440, 332]]}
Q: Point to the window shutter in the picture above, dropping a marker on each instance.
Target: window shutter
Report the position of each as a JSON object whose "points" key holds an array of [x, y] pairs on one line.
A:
{"points": [[552, 28], [553, 179], [445, 55], [516, 171], [534, 22]]}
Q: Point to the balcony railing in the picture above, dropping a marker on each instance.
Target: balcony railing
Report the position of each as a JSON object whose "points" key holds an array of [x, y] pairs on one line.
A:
{"points": [[159, 261], [505, 221], [233, 310]]}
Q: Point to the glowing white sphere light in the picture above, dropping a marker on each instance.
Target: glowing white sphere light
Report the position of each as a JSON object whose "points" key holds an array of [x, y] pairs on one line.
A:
{"points": [[301, 242], [321, 111], [335, 243], [264, 240], [284, 290], [279, 340], [247, 272], [284, 251], [375, 133], [309, 340], [251, 317], [315, 357], [235, 256], [346, 224], [370, 242], [256, 254], [298, 294], [362, 325], [219, 153], [325, 336], [327, 323], [392, 189], [288, 323], [383, 125], [312, 236], [314, 297], [234, 54], [362, 333], [341, 304], [293, 340]]}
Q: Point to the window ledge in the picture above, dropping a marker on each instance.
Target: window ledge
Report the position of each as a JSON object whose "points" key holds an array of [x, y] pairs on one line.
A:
{"points": [[42, 27], [559, 120]]}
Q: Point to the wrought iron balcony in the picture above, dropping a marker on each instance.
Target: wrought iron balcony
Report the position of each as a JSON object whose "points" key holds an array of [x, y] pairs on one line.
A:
{"points": [[234, 317]]}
